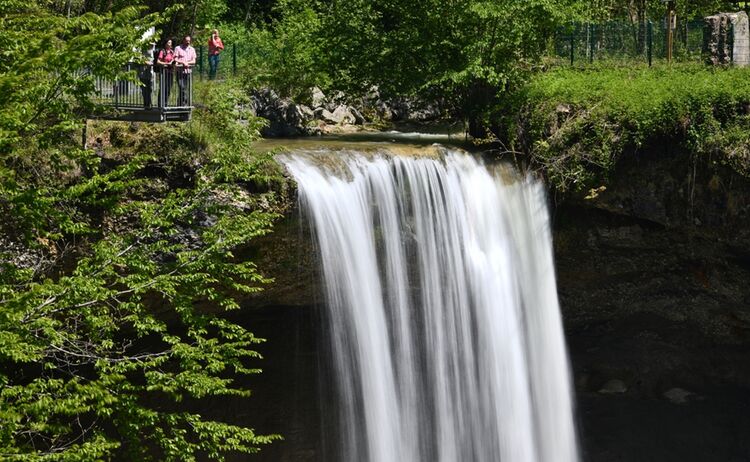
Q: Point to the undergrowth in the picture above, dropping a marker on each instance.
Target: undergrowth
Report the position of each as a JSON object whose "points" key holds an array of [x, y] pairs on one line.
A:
{"points": [[576, 123]]}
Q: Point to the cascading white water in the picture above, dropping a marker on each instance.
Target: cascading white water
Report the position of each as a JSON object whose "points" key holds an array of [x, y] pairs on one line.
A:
{"points": [[445, 325]]}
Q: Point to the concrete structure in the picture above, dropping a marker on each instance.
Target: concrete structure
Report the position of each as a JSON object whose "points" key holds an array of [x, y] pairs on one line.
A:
{"points": [[726, 39]]}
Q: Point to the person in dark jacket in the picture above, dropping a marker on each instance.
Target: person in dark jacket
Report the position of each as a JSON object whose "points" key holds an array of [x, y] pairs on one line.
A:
{"points": [[146, 75]]}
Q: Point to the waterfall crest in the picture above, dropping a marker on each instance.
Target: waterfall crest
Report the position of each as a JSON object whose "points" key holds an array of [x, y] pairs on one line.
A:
{"points": [[445, 328]]}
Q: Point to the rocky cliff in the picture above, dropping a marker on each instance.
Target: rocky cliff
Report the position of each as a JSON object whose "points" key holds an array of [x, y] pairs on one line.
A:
{"points": [[654, 284]]}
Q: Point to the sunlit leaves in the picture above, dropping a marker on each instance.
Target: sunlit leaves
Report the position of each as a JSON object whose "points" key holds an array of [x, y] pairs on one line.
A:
{"points": [[109, 312]]}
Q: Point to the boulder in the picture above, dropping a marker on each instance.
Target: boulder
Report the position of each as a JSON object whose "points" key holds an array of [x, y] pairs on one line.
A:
{"points": [[318, 98], [613, 386], [299, 113], [285, 118], [341, 115], [424, 113], [359, 119], [335, 100], [678, 395]]}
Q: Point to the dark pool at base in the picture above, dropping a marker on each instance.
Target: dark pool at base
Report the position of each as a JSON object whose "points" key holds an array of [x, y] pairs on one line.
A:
{"points": [[293, 398]]}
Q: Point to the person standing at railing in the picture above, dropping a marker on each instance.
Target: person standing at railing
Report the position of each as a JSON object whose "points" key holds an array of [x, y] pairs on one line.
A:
{"points": [[184, 58], [215, 47], [165, 62], [146, 75]]}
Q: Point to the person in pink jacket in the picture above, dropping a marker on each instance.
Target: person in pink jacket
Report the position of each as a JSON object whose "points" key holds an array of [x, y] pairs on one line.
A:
{"points": [[215, 47], [165, 66], [184, 59]]}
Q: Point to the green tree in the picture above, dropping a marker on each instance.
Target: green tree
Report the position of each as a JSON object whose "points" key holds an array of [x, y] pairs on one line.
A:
{"points": [[113, 283], [467, 51]]}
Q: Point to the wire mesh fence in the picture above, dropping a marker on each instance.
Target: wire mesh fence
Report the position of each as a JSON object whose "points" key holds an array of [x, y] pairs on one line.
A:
{"points": [[622, 40], [219, 66]]}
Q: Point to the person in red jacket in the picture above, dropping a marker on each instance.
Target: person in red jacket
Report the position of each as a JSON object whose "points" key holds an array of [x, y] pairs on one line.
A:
{"points": [[215, 47]]}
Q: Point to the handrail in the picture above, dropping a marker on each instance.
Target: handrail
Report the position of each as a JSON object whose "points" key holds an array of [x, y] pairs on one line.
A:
{"points": [[157, 88]]}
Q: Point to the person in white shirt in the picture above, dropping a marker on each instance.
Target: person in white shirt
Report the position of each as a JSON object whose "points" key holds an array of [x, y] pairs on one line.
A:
{"points": [[184, 58]]}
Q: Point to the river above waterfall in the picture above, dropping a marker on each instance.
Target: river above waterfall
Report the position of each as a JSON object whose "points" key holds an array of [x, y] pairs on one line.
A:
{"points": [[368, 140]]}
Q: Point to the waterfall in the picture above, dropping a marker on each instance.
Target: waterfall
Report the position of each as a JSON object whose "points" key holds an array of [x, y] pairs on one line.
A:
{"points": [[445, 328]]}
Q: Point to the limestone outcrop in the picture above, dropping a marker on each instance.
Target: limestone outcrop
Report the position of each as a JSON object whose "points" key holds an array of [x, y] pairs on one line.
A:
{"points": [[334, 113]]}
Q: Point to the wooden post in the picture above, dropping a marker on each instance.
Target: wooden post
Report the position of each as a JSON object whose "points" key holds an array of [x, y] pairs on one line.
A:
{"points": [[84, 134], [670, 31]]}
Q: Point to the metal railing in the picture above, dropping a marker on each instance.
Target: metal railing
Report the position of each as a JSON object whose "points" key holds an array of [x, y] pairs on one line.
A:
{"points": [[622, 40], [156, 88]]}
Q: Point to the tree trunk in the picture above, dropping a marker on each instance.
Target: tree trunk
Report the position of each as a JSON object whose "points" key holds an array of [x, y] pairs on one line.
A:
{"points": [[195, 15]]}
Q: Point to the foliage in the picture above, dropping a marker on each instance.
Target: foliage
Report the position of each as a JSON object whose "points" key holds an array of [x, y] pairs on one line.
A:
{"points": [[576, 123], [43, 89], [466, 51], [639, 10], [286, 56], [116, 263]]}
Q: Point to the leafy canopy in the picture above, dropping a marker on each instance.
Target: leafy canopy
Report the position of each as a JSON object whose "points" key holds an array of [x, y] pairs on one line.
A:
{"points": [[464, 51]]}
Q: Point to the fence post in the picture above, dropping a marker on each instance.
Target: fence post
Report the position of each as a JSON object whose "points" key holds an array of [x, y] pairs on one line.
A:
{"points": [[670, 31], [572, 43], [649, 41], [234, 59], [591, 32], [200, 61]]}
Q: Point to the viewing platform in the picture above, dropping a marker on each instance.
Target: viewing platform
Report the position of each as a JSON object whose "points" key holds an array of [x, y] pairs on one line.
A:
{"points": [[157, 95]]}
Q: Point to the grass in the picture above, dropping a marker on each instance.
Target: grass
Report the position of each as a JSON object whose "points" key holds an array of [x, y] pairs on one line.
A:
{"points": [[576, 123]]}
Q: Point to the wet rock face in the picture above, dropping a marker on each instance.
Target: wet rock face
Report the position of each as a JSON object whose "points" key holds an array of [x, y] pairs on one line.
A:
{"points": [[289, 258], [654, 284], [674, 189]]}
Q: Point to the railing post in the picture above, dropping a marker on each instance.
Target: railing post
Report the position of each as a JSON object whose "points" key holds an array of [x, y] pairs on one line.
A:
{"points": [[234, 59], [200, 61], [649, 41], [160, 88]]}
